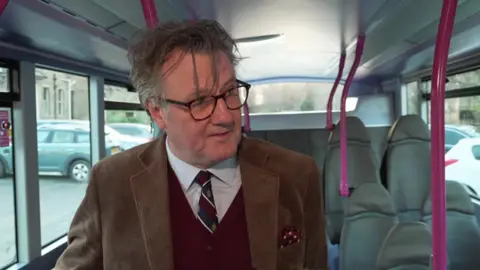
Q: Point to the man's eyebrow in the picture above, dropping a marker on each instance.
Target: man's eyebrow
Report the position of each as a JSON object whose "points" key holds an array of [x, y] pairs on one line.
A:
{"points": [[204, 91], [231, 80], [199, 92], [228, 82]]}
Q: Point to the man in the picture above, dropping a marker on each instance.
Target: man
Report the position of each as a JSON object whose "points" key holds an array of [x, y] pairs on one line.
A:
{"points": [[202, 196]]}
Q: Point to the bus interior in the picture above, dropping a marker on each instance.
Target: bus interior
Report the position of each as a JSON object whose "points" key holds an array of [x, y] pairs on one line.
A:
{"points": [[65, 62]]}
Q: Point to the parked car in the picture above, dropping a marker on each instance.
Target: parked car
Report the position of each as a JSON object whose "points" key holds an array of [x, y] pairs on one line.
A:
{"points": [[455, 133], [462, 163], [125, 141], [134, 130], [62, 151]]}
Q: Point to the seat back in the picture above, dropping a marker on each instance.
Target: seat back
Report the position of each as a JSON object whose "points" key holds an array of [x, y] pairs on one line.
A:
{"points": [[463, 231], [406, 166], [369, 216], [362, 167], [408, 246]]}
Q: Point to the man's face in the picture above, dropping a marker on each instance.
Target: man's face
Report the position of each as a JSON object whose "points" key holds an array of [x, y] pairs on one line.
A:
{"points": [[206, 142]]}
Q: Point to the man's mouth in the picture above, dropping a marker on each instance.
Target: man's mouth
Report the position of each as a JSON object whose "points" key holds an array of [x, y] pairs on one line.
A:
{"points": [[221, 134]]}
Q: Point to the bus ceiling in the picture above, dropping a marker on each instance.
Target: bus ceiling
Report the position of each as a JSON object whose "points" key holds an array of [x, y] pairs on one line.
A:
{"points": [[294, 39]]}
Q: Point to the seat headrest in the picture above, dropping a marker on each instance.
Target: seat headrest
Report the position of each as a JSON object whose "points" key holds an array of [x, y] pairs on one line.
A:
{"points": [[457, 200], [369, 197], [409, 127], [408, 243], [356, 131]]}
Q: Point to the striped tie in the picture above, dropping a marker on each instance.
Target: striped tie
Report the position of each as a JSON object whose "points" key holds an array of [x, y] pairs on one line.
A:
{"points": [[207, 213]]}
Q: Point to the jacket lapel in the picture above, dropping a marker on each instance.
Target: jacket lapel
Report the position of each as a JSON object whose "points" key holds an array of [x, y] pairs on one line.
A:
{"points": [[260, 192], [150, 191]]}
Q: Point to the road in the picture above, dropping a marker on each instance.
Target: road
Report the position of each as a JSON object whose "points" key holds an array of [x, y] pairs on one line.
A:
{"points": [[59, 199]]}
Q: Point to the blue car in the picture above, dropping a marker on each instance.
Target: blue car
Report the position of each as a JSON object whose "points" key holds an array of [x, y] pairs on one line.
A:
{"points": [[62, 151]]}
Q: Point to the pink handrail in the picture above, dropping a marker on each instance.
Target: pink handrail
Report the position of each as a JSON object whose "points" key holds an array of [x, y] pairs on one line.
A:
{"points": [[246, 119], [3, 5], [150, 13], [341, 66], [437, 149], [344, 188]]}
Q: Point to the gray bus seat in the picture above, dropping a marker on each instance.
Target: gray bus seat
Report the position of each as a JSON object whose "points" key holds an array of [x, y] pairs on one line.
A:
{"points": [[369, 216], [407, 246], [406, 166], [362, 167], [463, 231]]}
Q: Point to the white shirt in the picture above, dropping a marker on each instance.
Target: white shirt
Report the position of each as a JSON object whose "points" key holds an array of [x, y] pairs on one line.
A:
{"points": [[226, 182]]}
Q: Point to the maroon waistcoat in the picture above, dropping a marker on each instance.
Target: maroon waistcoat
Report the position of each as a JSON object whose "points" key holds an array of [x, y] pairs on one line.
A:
{"points": [[196, 248]]}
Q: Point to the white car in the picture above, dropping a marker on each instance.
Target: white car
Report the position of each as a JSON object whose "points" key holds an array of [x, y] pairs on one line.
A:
{"points": [[462, 163]]}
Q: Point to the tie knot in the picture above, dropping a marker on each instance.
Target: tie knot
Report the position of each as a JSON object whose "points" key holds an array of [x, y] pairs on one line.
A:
{"points": [[202, 177]]}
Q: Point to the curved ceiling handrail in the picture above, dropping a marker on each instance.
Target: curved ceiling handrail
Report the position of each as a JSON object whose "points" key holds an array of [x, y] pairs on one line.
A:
{"points": [[3, 5], [150, 13], [341, 66], [437, 149], [246, 119], [344, 188]]}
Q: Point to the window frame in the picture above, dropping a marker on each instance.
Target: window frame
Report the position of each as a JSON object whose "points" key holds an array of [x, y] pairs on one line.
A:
{"points": [[6, 101]]}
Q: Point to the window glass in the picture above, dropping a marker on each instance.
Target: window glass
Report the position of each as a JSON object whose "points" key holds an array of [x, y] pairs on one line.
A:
{"points": [[476, 152], [62, 100], [132, 128], [462, 126], [457, 81], [83, 138], [452, 137], [8, 244], [62, 137], [42, 136], [414, 97], [295, 97], [120, 94], [4, 82]]}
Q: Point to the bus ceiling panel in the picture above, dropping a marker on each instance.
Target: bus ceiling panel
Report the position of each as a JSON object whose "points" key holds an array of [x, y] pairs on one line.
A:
{"points": [[463, 45], [401, 59], [97, 16], [466, 10], [203, 9], [90, 11], [309, 25], [283, 62], [131, 10], [311, 34], [48, 60], [124, 30], [417, 61], [397, 28], [35, 25]]}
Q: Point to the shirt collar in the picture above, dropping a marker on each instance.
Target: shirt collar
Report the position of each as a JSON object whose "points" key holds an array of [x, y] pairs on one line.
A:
{"points": [[224, 171]]}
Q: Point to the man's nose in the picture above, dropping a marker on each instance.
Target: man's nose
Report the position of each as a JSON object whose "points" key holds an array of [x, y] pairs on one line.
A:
{"points": [[222, 113]]}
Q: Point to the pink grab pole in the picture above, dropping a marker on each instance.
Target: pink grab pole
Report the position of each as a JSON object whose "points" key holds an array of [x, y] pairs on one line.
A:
{"points": [[344, 189], [341, 65], [437, 148], [3, 5], [246, 119], [150, 13]]}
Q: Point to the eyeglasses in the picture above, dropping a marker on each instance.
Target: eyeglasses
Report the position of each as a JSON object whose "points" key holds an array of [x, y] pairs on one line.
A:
{"points": [[203, 107]]}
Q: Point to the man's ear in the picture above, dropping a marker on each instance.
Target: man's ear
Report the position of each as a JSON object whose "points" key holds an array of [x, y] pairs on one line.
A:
{"points": [[158, 115]]}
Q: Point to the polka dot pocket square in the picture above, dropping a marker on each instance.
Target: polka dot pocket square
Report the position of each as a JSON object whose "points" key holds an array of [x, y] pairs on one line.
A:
{"points": [[290, 236]]}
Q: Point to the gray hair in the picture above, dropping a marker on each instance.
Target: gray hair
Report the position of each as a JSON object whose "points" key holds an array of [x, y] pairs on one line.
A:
{"points": [[154, 46]]}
